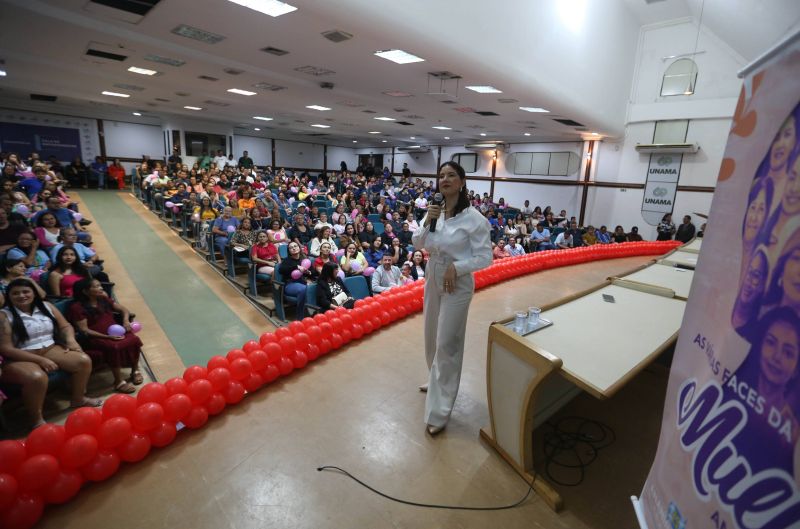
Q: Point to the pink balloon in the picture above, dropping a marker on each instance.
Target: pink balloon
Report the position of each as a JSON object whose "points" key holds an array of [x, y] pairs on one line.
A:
{"points": [[169, 204], [340, 274], [77, 216], [296, 274], [196, 217], [368, 271], [176, 209], [22, 209], [231, 229], [339, 253], [355, 266], [116, 330], [136, 326], [388, 216], [277, 236], [306, 263], [314, 192]]}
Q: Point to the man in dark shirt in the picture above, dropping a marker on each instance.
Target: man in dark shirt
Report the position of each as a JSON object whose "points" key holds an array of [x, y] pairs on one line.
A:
{"points": [[77, 174], [686, 230], [174, 161], [300, 233], [245, 162], [576, 233], [406, 171]]}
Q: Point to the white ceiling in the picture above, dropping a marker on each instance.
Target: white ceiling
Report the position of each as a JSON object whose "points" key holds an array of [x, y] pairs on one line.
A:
{"points": [[573, 57]]}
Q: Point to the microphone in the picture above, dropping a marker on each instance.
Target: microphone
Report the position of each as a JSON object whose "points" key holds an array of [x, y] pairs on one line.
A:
{"points": [[438, 200]]}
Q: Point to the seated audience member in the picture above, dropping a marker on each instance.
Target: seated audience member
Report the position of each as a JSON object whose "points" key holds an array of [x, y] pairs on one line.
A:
{"points": [[589, 238], [352, 262], [515, 247], [386, 276], [295, 287], [634, 236], [31, 333], [117, 173], [340, 225], [331, 290], [9, 233], [33, 184], [367, 236], [27, 250], [322, 222], [205, 211], [277, 233], [619, 235], [92, 313], [65, 217], [418, 262], [540, 238], [565, 240], [222, 229], [405, 273], [323, 236], [325, 256], [67, 270], [15, 269], [602, 235], [86, 255], [500, 251], [247, 201], [264, 254], [244, 237], [375, 252], [686, 230], [405, 235], [14, 218], [47, 231], [398, 252], [300, 233]]}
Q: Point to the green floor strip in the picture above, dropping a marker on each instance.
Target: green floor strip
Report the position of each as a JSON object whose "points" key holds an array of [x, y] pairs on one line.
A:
{"points": [[197, 322]]}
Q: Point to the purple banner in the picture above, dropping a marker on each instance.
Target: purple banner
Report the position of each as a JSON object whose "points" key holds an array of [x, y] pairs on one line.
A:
{"points": [[63, 143]]}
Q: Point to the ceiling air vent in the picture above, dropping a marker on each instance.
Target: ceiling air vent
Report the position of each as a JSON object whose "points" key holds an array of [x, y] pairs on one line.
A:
{"points": [[131, 11], [507, 100], [269, 87], [337, 35], [207, 78], [486, 113], [449, 102], [182, 94], [406, 123], [42, 97], [233, 71], [369, 112], [213, 103], [445, 75], [201, 35], [569, 122], [101, 51], [162, 100], [316, 71], [274, 51], [132, 87], [164, 60]]}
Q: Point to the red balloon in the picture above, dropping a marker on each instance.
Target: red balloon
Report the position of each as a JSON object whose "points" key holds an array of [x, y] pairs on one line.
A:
{"points": [[308, 323], [314, 334], [233, 354], [337, 324], [250, 346], [270, 374], [274, 352], [296, 327], [152, 392], [37, 472], [234, 392], [282, 332], [46, 439], [219, 378], [196, 418], [83, 420], [285, 366], [326, 329], [386, 318], [78, 451], [176, 385], [358, 331], [135, 449], [114, 432], [23, 513], [325, 346], [241, 369], [102, 467], [215, 404], [288, 346], [320, 318], [258, 359], [377, 323], [217, 361], [313, 352], [266, 338], [148, 416], [347, 336], [336, 341], [164, 434], [299, 360], [302, 341], [194, 373], [253, 382], [65, 487], [199, 391], [347, 320], [367, 326], [177, 407], [12, 454], [8, 490]]}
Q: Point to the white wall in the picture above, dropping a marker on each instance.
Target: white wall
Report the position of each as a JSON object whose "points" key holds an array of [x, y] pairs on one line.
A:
{"points": [[259, 149], [299, 155], [557, 196], [132, 140], [419, 162], [337, 155]]}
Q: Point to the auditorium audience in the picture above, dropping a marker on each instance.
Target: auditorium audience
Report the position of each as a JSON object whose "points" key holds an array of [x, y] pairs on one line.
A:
{"points": [[331, 290], [386, 276]]}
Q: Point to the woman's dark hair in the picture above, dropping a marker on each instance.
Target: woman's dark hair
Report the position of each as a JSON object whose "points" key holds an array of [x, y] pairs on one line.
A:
{"points": [[751, 368], [664, 218], [77, 267], [328, 272], [352, 228], [8, 264], [463, 196], [759, 184], [80, 296], [775, 290], [18, 330]]}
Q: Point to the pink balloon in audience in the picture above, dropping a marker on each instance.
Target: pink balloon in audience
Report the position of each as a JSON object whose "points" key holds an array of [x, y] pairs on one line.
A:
{"points": [[340, 274], [355, 266], [293, 189], [314, 192], [196, 217], [116, 330], [296, 274], [277, 236], [48, 178], [368, 271], [136, 326], [231, 228], [77, 216], [176, 209], [339, 253], [169, 204], [36, 275], [388, 216], [306, 263], [22, 209]]}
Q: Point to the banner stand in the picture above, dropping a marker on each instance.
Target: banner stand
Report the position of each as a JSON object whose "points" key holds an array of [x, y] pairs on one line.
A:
{"points": [[639, 510]]}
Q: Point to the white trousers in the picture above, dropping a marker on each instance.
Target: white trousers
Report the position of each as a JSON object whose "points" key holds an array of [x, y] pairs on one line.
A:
{"points": [[445, 325]]}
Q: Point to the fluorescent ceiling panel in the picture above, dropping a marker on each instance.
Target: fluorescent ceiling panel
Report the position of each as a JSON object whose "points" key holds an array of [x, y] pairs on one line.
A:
{"points": [[533, 109], [188, 107], [273, 8], [142, 71], [398, 56], [319, 126], [484, 89], [241, 92], [439, 127], [383, 118], [115, 94], [262, 118], [317, 107]]}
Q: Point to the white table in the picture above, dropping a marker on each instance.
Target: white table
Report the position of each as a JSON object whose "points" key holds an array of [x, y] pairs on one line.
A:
{"points": [[682, 258], [693, 246], [679, 280]]}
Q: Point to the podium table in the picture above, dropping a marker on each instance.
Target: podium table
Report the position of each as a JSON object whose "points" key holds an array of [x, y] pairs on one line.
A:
{"points": [[529, 378]]}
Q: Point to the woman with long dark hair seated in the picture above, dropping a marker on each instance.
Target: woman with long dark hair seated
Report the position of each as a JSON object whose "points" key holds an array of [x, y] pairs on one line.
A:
{"points": [[35, 340], [295, 287], [92, 314], [331, 290], [66, 271]]}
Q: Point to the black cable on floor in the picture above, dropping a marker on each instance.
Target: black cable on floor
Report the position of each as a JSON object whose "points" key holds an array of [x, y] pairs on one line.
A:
{"points": [[426, 505], [571, 445]]}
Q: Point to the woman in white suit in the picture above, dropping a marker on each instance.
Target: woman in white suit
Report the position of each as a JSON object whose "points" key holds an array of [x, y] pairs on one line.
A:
{"points": [[459, 246]]}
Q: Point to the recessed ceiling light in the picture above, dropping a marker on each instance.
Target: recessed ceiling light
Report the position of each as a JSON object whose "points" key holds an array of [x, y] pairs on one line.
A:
{"points": [[533, 109], [355, 141], [115, 94], [3, 73], [142, 71], [317, 107], [262, 118], [374, 132], [527, 134], [483, 134], [384, 141], [241, 92], [383, 118], [484, 89], [398, 56], [273, 8], [440, 127], [187, 107], [594, 133], [137, 113], [319, 126], [447, 137], [396, 93]]}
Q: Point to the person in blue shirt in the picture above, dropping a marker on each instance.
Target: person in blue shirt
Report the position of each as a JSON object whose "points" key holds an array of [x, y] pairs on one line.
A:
{"points": [[375, 252], [32, 185], [99, 169], [65, 218], [222, 229], [603, 237]]}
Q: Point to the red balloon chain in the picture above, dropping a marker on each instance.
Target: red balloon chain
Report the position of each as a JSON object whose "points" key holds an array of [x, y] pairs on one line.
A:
{"points": [[54, 462]]}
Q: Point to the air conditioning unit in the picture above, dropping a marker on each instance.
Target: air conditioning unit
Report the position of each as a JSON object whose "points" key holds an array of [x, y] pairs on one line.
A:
{"points": [[667, 148], [414, 148], [487, 146]]}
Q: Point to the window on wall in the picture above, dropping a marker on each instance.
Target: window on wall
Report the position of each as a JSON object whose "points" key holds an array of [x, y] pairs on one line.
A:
{"points": [[467, 160], [680, 78], [545, 163], [199, 142]]}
